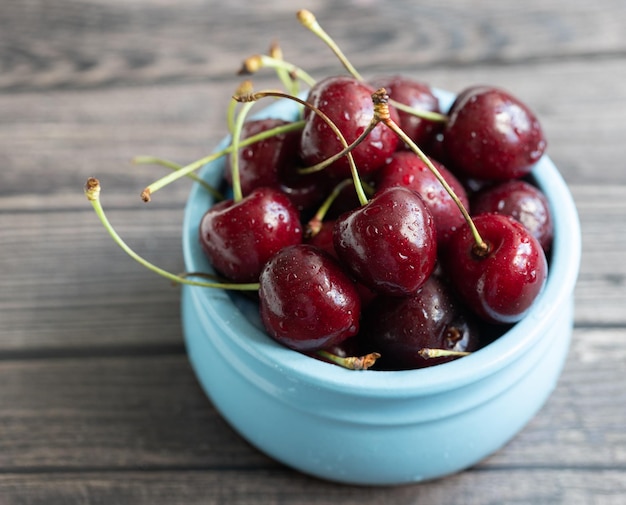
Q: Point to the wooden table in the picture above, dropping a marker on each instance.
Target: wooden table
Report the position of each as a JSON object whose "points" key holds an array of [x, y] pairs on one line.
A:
{"points": [[98, 403]]}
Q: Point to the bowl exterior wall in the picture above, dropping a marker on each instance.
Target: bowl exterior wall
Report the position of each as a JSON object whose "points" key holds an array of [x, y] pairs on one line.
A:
{"points": [[415, 443]]}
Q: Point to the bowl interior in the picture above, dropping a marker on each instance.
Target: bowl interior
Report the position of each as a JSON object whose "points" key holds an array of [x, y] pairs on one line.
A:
{"points": [[243, 327]]}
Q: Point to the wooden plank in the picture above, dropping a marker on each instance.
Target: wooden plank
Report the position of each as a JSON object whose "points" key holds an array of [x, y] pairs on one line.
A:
{"points": [[66, 284], [117, 412], [124, 412], [86, 43], [261, 486]]}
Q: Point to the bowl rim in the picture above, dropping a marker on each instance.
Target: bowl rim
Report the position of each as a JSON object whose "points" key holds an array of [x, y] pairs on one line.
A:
{"points": [[258, 346]]}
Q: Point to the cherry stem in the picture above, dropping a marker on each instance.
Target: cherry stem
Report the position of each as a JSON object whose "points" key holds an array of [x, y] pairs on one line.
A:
{"points": [[428, 115], [329, 161], [192, 167], [350, 362], [286, 77], [429, 353], [381, 108], [243, 89], [308, 20], [152, 160], [256, 62], [92, 192], [353, 169], [234, 154], [315, 223]]}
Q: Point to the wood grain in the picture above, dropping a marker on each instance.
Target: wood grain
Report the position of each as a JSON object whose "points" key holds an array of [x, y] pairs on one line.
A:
{"points": [[256, 486], [133, 424], [87, 43]]}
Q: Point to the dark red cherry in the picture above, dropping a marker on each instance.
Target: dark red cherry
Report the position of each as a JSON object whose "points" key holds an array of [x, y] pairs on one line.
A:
{"points": [[348, 104], [240, 237], [306, 300], [521, 200], [389, 244], [306, 191], [324, 240], [264, 162], [400, 327], [501, 285], [491, 134], [417, 95], [405, 168]]}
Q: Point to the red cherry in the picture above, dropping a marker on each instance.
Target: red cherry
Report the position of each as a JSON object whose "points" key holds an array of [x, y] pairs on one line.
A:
{"points": [[406, 169], [305, 190], [240, 237], [492, 135], [521, 200], [389, 244], [417, 95], [348, 104], [400, 327], [324, 240], [502, 284], [263, 163], [307, 302]]}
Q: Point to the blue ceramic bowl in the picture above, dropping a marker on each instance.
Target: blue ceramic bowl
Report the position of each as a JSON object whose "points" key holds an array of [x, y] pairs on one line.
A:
{"points": [[378, 427]]}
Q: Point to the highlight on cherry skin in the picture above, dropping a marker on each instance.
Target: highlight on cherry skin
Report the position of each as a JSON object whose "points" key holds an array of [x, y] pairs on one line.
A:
{"points": [[357, 225]]}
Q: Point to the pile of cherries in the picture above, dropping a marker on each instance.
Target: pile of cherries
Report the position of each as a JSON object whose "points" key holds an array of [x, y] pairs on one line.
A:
{"points": [[405, 275], [375, 230]]}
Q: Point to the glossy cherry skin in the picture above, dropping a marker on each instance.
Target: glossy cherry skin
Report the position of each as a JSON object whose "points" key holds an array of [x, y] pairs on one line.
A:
{"points": [[501, 285], [306, 191], [417, 95], [264, 162], [324, 240], [306, 300], [389, 244], [491, 134], [399, 327], [348, 104], [405, 168], [240, 237], [524, 202]]}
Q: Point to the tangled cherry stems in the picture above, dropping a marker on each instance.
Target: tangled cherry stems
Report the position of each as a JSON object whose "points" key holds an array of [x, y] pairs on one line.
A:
{"points": [[381, 114], [196, 165], [347, 148]]}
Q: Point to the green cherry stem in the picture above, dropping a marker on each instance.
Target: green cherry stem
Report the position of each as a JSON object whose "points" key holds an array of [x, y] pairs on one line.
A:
{"points": [[256, 62], [381, 108], [285, 76], [244, 88], [153, 160], [349, 148], [92, 192], [192, 167], [315, 223], [423, 114], [308, 20], [234, 154]]}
